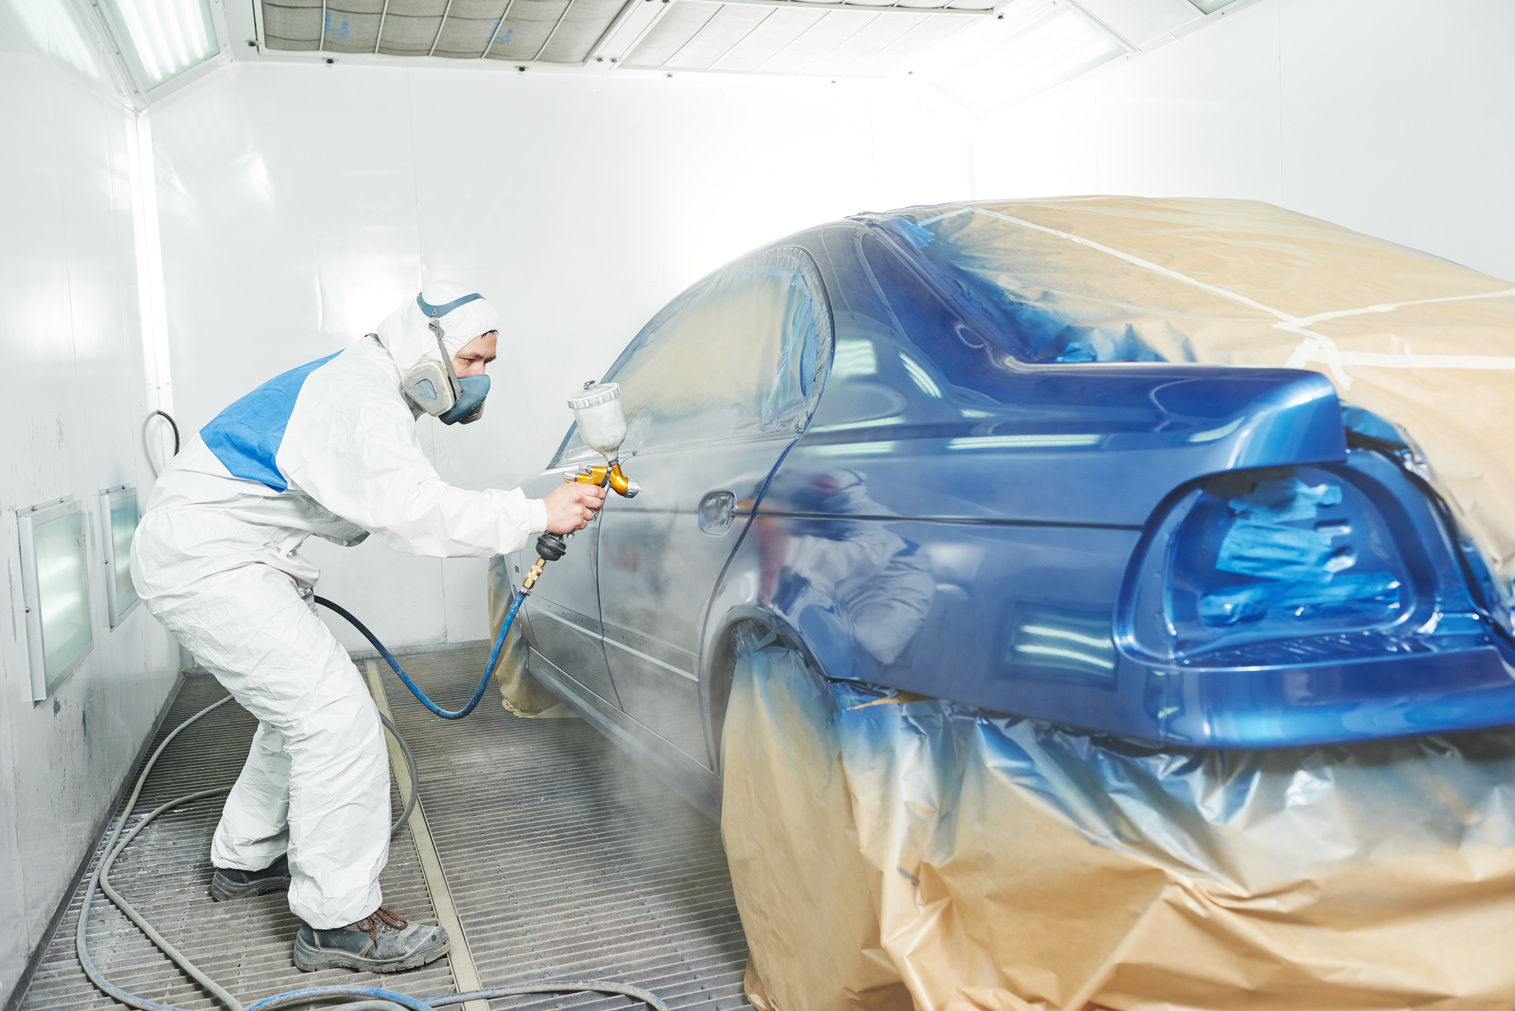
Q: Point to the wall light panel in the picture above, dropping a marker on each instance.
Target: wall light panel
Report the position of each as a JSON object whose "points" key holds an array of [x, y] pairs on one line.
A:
{"points": [[55, 591], [118, 513]]}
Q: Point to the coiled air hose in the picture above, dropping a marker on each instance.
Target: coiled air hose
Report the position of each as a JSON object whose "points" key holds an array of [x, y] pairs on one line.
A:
{"points": [[350, 998]]}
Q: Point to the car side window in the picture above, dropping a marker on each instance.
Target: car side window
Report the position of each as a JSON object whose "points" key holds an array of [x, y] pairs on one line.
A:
{"points": [[739, 355]]}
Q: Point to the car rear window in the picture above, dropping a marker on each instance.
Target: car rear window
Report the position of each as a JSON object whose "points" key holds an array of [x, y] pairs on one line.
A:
{"points": [[737, 355], [1040, 309]]}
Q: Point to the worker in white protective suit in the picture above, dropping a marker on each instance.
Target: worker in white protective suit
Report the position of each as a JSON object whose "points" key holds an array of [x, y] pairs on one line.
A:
{"points": [[328, 449]]}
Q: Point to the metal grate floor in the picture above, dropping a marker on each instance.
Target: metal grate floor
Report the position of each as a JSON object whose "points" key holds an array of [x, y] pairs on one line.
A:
{"points": [[562, 859]]}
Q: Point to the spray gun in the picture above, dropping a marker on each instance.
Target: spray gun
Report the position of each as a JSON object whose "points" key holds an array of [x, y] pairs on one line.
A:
{"points": [[602, 427]]}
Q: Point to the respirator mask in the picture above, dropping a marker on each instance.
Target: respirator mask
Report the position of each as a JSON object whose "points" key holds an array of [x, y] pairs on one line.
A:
{"points": [[434, 386]]}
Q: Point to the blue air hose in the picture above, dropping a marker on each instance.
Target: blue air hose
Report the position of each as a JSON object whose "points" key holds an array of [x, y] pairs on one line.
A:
{"points": [[446, 714]]}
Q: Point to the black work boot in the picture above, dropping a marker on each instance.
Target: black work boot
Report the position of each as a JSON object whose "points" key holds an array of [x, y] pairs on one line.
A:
{"points": [[380, 942], [231, 884]]}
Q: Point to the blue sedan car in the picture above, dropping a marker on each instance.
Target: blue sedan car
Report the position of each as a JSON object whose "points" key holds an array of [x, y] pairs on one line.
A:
{"points": [[893, 444]]}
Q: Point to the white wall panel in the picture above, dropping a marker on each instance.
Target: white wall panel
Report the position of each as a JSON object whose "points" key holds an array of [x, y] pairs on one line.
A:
{"points": [[76, 395], [1389, 116], [301, 203], [1397, 121], [1199, 117]]}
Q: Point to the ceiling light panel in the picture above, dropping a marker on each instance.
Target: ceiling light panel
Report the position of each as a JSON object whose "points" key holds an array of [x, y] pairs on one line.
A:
{"points": [[1033, 55], [1211, 6], [164, 38]]}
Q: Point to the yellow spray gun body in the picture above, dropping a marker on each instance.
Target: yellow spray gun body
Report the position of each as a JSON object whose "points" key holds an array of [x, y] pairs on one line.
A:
{"points": [[606, 475], [602, 426]]}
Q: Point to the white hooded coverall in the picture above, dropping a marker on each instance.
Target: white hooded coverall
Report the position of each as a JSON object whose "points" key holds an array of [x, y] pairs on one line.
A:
{"points": [[328, 449]]}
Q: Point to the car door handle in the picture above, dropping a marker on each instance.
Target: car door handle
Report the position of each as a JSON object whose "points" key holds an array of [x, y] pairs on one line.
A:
{"points": [[716, 511]]}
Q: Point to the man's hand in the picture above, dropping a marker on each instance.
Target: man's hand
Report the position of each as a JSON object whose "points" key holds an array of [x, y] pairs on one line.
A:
{"points": [[572, 506]]}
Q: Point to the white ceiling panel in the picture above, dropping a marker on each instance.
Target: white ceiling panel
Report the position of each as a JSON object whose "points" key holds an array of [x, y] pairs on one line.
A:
{"points": [[671, 33], [818, 41], [1131, 21], [915, 43], [857, 51], [731, 24], [778, 29]]}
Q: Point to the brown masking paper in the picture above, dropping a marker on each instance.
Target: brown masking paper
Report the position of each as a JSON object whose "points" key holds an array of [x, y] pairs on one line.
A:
{"points": [[892, 853], [520, 693]]}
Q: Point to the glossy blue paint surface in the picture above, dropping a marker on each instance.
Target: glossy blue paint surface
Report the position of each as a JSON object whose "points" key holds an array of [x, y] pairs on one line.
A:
{"points": [[1173, 552]]}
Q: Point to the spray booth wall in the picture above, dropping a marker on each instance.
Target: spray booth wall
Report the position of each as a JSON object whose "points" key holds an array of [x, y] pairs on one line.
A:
{"points": [[76, 393], [1388, 116], [299, 204]]}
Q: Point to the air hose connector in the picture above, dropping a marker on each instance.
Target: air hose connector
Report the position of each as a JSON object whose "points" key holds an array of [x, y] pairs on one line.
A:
{"points": [[550, 547]]}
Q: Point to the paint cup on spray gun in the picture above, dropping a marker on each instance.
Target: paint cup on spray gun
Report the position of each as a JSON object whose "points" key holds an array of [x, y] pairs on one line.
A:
{"points": [[602, 427]]}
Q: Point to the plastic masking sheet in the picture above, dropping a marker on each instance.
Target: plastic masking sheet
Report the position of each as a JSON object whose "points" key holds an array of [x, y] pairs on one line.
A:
{"points": [[520, 693], [892, 853], [1425, 343]]}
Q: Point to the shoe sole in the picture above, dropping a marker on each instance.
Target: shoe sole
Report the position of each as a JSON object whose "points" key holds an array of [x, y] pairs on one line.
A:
{"points": [[312, 959], [221, 891]]}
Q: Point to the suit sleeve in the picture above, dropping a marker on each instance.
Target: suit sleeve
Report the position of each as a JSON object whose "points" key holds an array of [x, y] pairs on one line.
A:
{"points": [[361, 461]]}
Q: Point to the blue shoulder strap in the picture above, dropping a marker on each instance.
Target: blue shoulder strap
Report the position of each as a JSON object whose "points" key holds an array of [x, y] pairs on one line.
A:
{"points": [[246, 436]]}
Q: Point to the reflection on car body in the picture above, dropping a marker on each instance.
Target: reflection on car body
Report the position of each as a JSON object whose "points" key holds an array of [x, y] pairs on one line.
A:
{"points": [[878, 583]]}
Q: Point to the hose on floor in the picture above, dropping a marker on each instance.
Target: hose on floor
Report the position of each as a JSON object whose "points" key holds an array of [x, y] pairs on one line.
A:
{"points": [[446, 714], [351, 998]]}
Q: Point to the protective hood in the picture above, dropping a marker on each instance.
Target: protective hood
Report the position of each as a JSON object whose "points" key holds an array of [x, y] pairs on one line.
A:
{"points": [[405, 335]]}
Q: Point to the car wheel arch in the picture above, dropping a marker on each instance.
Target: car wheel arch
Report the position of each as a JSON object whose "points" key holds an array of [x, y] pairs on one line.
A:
{"points": [[720, 665]]}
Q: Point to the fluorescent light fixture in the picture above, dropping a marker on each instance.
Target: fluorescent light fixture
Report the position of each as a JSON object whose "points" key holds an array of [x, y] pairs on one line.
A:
{"points": [[55, 590], [1035, 55], [1211, 6], [164, 38], [118, 510]]}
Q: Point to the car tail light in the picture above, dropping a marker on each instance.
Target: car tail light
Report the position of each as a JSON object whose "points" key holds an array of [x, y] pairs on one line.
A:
{"points": [[1272, 556]]}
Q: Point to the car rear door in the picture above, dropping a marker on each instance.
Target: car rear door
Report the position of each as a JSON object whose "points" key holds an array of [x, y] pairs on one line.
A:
{"points": [[715, 388]]}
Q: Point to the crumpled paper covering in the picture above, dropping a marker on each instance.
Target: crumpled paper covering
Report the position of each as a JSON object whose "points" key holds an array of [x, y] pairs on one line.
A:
{"points": [[890, 852], [1425, 343], [520, 693]]}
